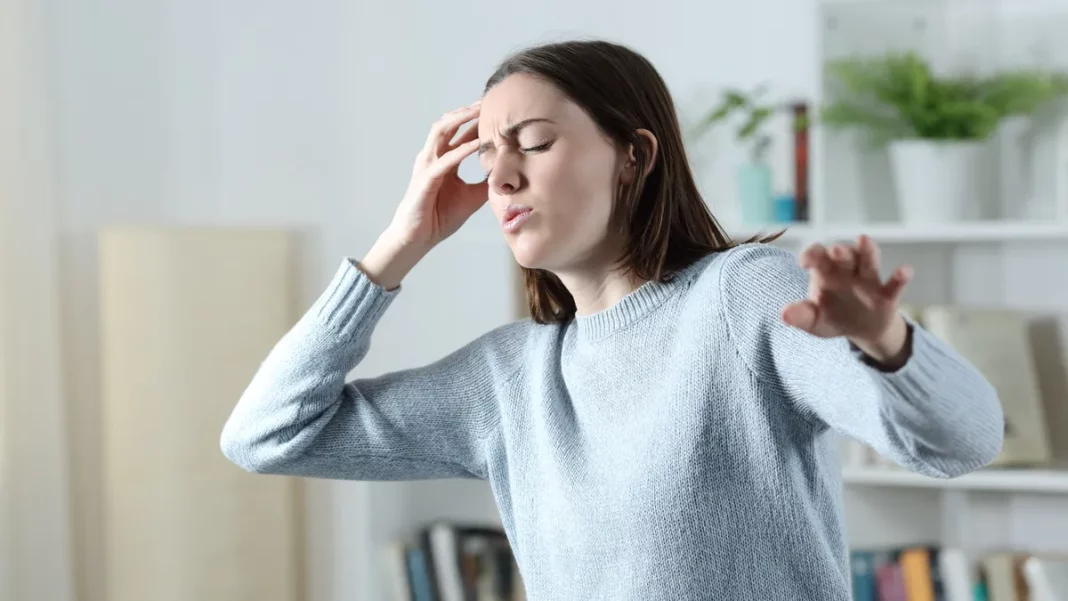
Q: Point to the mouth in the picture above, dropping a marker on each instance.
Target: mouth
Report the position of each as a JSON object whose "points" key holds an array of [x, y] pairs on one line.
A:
{"points": [[514, 217]]}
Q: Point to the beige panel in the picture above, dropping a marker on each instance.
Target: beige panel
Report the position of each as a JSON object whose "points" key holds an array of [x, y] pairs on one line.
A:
{"points": [[187, 315]]}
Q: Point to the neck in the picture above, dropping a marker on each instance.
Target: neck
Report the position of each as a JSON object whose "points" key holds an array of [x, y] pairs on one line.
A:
{"points": [[597, 288]]}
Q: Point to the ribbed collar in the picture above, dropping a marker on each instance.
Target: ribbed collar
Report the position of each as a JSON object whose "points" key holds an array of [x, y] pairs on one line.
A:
{"points": [[634, 306]]}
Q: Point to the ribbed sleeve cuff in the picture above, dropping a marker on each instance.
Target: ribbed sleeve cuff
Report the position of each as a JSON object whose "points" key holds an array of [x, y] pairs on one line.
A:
{"points": [[352, 304], [937, 390], [927, 362]]}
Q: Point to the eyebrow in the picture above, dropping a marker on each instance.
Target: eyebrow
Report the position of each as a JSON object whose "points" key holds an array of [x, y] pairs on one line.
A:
{"points": [[512, 130]]}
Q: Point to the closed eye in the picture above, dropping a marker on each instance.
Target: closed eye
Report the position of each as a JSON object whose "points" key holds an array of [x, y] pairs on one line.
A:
{"points": [[529, 150], [538, 148]]}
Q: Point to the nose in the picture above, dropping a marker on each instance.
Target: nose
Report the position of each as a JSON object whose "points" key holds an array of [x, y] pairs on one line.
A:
{"points": [[505, 177]]}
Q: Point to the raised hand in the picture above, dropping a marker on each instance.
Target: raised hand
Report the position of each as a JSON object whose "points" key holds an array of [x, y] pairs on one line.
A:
{"points": [[437, 201], [847, 297]]}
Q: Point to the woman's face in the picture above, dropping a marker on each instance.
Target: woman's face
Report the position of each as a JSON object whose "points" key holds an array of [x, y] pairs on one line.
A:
{"points": [[552, 175]]}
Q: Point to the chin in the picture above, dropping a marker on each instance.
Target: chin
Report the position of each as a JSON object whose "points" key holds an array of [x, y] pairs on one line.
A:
{"points": [[531, 254]]}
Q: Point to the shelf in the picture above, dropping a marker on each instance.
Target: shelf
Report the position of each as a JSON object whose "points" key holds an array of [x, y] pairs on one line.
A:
{"points": [[1008, 480], [891, 233]]}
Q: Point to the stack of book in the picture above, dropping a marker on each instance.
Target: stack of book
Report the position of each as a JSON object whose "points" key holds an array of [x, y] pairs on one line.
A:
{"points": [[930, 573], [454, 562]]}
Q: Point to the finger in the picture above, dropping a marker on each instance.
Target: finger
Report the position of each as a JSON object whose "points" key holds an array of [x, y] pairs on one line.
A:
{"points": [[451, 160], [845, 260], [895, 286], [445, 128], [814, 257], [821, 268], [803, 315], [868, 259], [466, 136]]}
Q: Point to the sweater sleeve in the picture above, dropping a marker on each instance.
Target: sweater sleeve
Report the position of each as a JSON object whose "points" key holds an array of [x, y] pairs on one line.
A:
{"points": [[299, 416], [936, 415]]}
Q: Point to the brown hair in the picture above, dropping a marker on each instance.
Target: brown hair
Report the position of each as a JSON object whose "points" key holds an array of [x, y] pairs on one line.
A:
{"points": [[667, 224]]}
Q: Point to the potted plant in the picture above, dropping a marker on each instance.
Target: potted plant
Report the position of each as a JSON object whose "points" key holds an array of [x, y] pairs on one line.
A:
{"points": [[754, 177], [936, 127]]}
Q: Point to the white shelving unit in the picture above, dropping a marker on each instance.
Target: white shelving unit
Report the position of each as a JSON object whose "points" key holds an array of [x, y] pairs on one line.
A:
{"points": [[1040, 481], [1017, 256], [990, 231]]}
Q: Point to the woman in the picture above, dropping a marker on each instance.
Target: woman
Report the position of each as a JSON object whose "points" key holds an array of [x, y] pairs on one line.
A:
{"points": [[662, 428]]}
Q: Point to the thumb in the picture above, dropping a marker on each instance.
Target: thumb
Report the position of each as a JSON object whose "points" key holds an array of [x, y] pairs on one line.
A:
{"points": [[469, 199], [476, 194], [802, 315]]}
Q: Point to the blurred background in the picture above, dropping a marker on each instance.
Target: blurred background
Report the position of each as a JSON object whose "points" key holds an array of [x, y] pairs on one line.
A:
{"points": [[180, 179]]}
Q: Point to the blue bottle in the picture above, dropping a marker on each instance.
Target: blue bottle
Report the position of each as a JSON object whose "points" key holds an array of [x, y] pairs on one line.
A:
{"points": [[785, 208], [755, 194]]}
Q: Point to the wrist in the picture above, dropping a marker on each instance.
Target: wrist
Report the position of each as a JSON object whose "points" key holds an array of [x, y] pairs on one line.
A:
{"points": [[390, 259], [892, 348]]}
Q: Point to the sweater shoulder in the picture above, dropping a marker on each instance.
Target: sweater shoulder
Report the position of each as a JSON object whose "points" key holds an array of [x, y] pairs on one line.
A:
{"points": [[503, 349], [744, 269], [749, 261], [745, 284]]}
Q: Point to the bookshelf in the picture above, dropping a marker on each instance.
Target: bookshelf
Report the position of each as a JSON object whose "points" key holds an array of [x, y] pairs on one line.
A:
{"points": [[1010, 253]]}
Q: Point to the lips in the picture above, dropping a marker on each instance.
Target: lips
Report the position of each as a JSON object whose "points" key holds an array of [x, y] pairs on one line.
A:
{"points": [[514, 217]]}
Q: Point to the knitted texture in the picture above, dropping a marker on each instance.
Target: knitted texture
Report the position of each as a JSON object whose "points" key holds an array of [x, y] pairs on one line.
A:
{"points": [[678, 445]]}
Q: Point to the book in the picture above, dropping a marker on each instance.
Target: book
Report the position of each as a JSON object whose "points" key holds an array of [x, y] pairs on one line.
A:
{"points": [[945, 573], [446, 561], [1046, 578]]}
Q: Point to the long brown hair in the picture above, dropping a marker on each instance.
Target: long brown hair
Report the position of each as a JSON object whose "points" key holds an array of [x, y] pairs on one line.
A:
{"points": [[666, 224]]}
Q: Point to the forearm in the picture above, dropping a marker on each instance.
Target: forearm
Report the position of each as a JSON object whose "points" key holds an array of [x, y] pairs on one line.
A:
{"points": [[299, 386], [299, 415], [939, 411]]}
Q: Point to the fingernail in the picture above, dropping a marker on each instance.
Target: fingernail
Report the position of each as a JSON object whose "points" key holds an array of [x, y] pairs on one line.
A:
{"points": [[477, 102]]}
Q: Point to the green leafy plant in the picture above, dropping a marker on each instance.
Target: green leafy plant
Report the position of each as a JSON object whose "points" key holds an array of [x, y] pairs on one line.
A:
{"points": [[754, 114], [897, 96]]}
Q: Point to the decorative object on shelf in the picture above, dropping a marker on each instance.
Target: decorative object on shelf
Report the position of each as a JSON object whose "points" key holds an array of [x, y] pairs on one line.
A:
{"points": [[936, 126], [755, 192], [785, 209], [800, 160], [187, 314], [937, 181], [755, 178]]}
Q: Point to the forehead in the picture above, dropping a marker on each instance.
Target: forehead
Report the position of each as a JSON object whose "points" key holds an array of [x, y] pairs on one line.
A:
{"points": [[518, 97]]}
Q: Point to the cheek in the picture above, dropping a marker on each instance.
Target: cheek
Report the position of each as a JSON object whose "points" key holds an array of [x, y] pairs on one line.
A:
{"points": [[578, 186]]}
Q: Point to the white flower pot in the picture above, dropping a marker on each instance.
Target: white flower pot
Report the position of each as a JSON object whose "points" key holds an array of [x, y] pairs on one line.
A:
{"points": [[938, 181]]}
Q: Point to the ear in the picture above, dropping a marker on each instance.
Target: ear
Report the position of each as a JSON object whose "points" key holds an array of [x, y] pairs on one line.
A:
{"points": [[631, 163]]}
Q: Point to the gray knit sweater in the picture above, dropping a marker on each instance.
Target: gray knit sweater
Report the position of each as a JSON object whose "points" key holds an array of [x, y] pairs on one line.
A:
{"points": [[678, 445]]}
